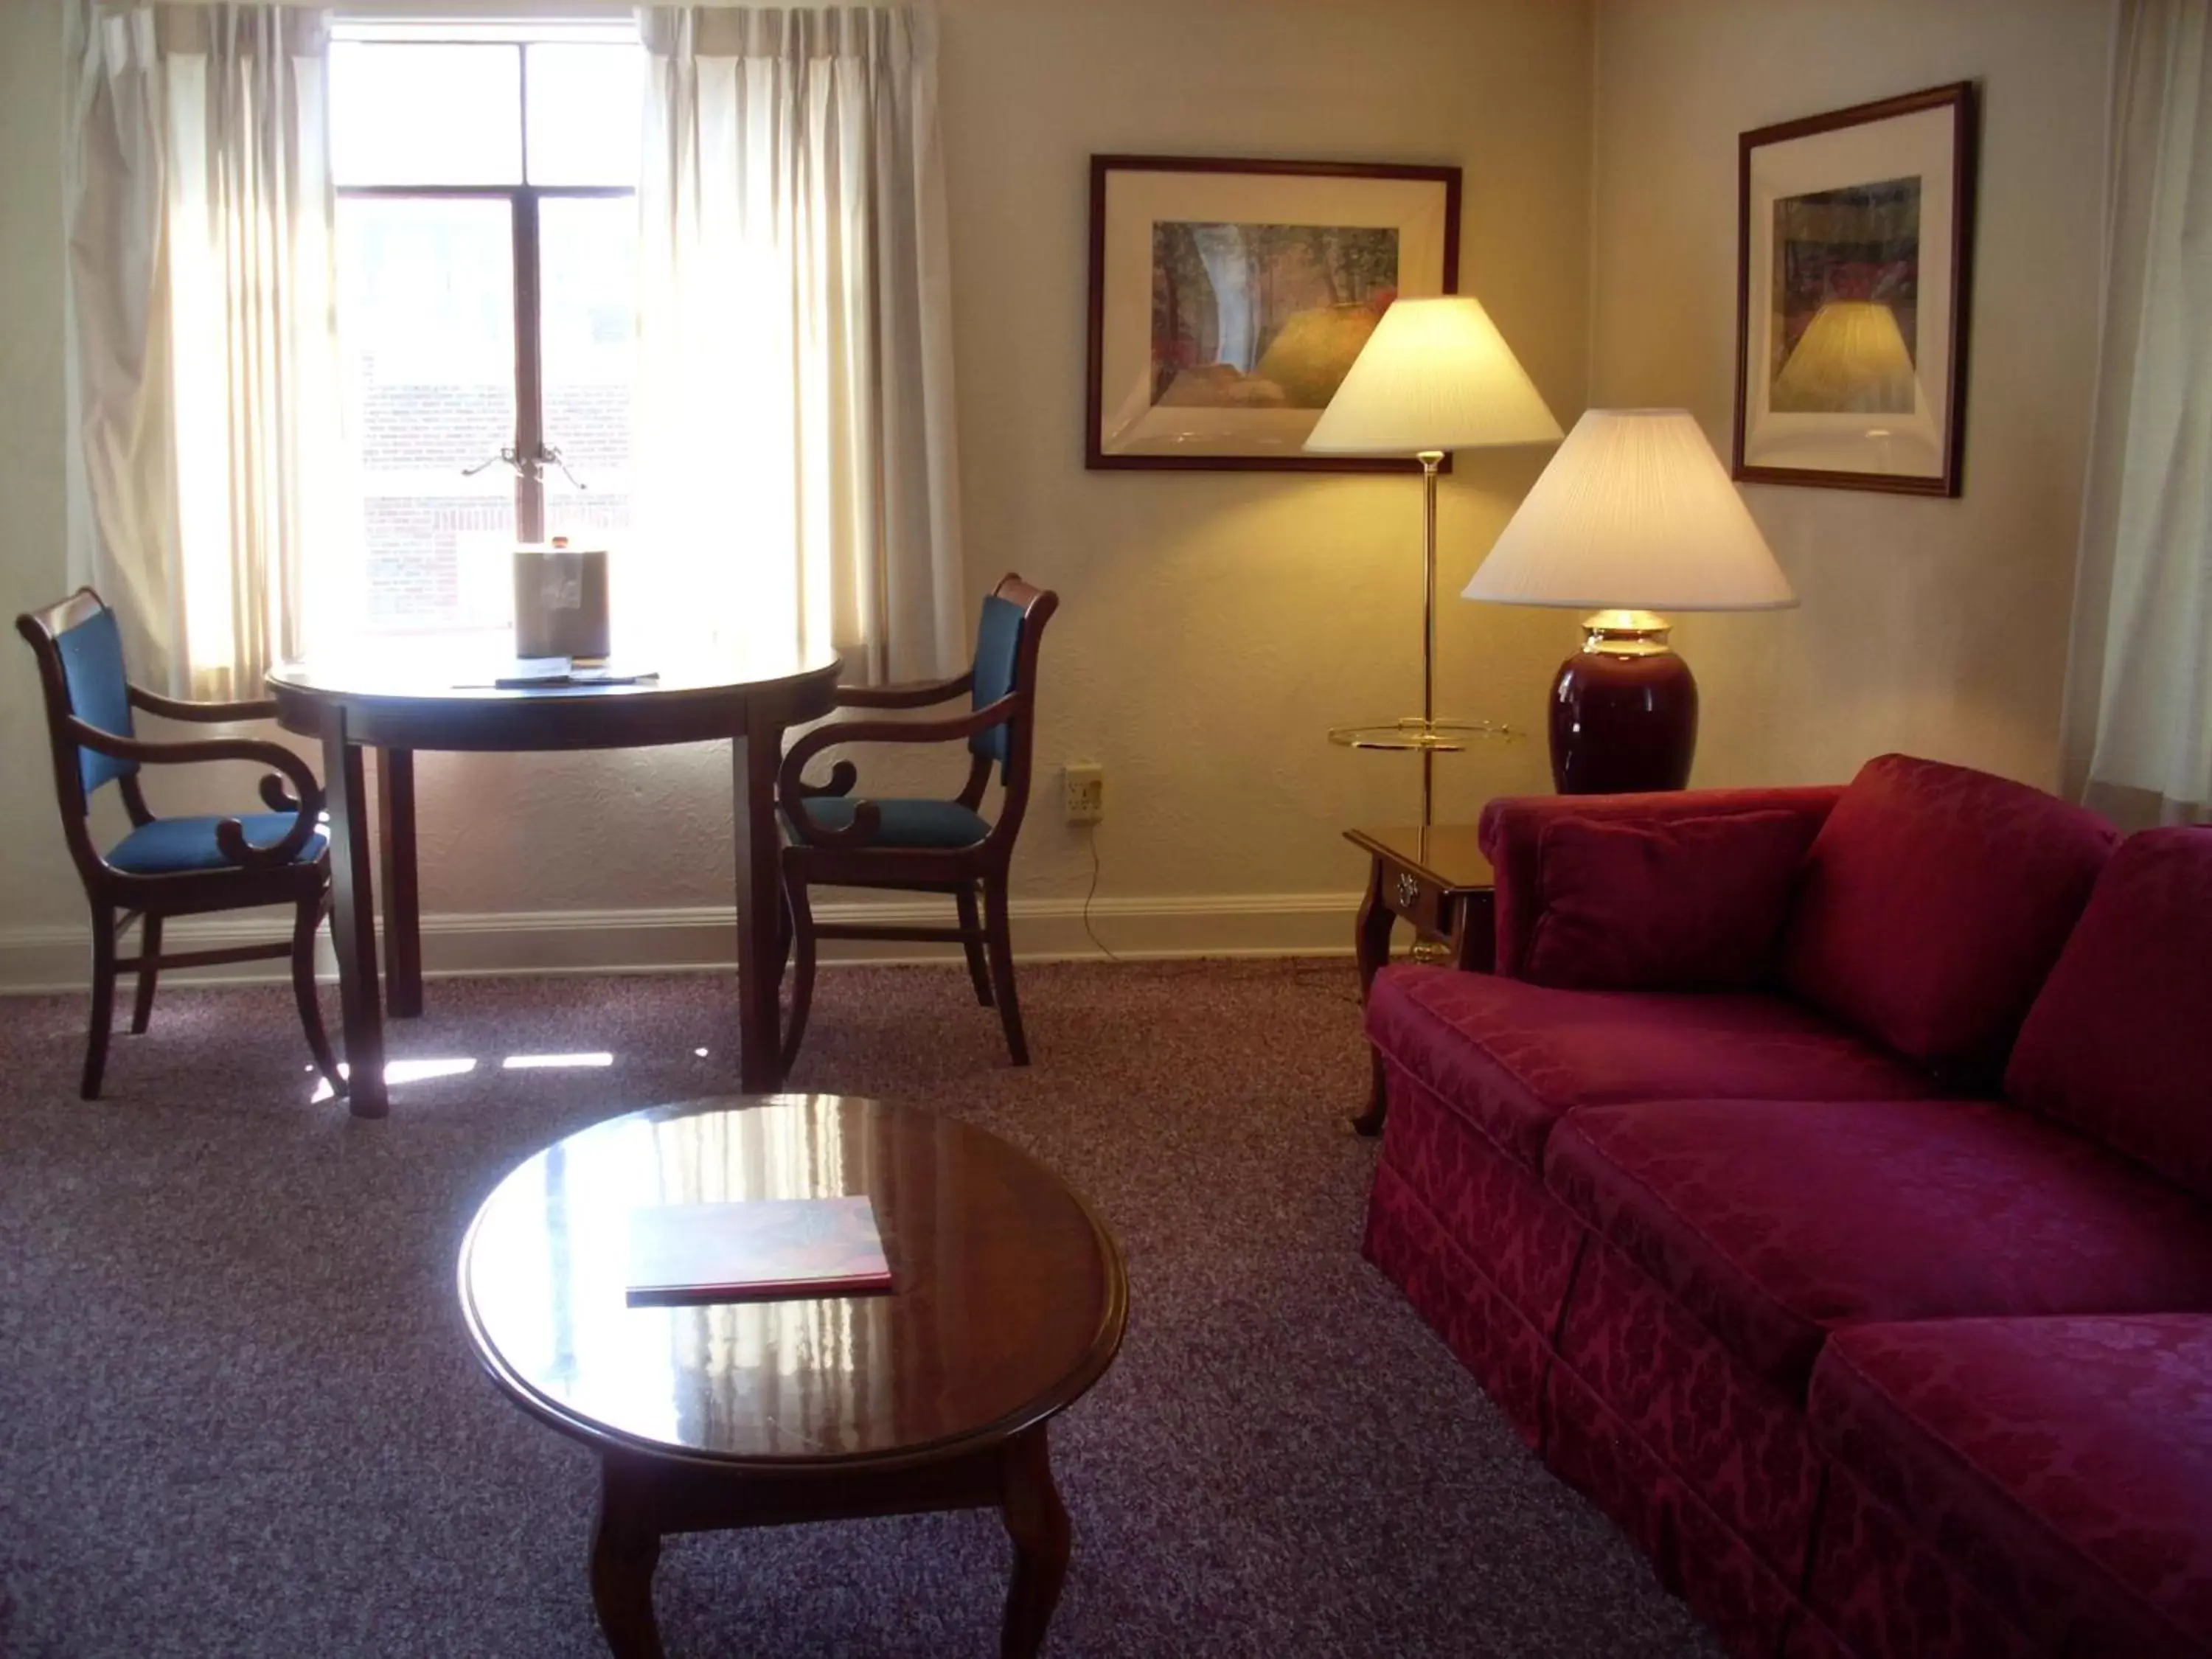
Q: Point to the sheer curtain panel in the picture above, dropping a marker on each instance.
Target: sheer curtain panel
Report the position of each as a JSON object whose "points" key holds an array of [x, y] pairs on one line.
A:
{"points": [[2139, 717], [204, 387], [796, 468]]}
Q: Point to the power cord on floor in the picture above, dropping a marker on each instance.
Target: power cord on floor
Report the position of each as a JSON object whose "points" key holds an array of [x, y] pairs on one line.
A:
{"points": [[1091, 839]]}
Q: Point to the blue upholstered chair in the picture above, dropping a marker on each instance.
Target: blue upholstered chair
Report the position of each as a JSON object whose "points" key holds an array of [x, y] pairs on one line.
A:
{"points": [[832, 838], [173, 866]]}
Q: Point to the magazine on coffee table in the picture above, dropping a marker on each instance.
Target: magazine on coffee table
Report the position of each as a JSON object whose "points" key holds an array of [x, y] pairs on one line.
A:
{"points": [[776, 1250]]}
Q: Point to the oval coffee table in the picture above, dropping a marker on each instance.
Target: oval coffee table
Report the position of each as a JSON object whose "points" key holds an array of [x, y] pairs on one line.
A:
{"points": [[1008, 1301]]}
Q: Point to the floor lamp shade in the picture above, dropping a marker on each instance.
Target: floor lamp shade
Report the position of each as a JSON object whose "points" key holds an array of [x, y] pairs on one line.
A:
{"points": [[1635, 515], [1436, 375]]}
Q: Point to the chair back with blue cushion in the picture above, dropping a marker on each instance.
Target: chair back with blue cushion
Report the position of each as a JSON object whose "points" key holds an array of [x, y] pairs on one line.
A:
{"points": [[80, 674], [98, 690], [998, 666]]}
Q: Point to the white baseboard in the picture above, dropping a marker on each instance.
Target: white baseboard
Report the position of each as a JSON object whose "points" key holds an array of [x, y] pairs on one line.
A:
{"points": [[456, 944]]}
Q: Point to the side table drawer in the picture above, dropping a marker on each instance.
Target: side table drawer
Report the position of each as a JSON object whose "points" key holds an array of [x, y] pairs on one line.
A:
{"points": [[1430, 908]]}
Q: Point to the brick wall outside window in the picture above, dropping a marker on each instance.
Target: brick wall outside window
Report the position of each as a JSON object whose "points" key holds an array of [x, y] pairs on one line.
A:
{"points": [[421, 535]]}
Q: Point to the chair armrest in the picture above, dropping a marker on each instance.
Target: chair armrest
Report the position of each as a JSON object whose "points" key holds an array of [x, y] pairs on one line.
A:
{"points": [[229, 833], [791, 787], [919, 695], [170, 708], [1513, 826]]}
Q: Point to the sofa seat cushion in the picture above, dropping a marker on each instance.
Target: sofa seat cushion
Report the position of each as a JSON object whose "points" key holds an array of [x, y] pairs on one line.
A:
{"points": [[1932, 904], [1772, 1223], [1513, 1058], [2062, 1465], [2119, 1044], [173, 846]]}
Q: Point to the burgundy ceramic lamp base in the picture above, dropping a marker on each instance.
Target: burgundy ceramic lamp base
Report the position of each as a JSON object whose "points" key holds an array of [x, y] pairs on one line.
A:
{"points": [[1624, 709]]}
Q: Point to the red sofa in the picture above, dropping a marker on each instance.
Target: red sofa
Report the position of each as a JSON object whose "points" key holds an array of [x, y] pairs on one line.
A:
{"points": [[1823, 1184]]}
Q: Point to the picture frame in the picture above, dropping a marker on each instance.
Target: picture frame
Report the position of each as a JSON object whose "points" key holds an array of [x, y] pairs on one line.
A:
{"points": [[1854, 269], [1228, 296]]}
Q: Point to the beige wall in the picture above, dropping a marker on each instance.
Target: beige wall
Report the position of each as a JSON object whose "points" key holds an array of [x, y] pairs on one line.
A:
{"points": [[1213, 626], [1934, 627]]}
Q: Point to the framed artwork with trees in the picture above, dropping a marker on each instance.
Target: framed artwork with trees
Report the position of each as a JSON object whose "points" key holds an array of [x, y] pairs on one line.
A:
{"points": [[1229, 297]]}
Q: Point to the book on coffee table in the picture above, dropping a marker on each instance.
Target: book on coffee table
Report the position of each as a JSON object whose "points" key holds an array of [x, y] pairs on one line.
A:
{"points": [[774, 1249]]}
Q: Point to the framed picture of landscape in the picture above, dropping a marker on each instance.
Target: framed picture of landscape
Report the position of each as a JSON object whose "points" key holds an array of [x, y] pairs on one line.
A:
{"points": [[1229, 297], [1854, 250]]}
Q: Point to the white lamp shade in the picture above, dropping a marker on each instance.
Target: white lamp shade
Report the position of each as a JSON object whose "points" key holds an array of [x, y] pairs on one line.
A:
{"points": [[1435, 374], [1635, 513]]}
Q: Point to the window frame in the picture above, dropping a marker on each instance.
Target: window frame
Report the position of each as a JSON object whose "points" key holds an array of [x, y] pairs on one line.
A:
{"points": [[529, 456]]}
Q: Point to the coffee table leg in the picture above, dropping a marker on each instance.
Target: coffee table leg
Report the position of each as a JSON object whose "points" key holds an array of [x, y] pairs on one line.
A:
{"points": [[1038, 1523], [625, 1549]]}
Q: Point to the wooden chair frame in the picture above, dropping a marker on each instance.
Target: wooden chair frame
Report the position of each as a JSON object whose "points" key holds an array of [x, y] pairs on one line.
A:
{"points": [[260, 875], [975, 875]]}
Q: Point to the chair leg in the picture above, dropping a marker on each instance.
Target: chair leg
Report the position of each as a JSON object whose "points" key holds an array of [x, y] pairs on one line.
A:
{"points": [[999, 941], [305, 926], [149, 948], [802, 985], [979, 975], [103, 999]]}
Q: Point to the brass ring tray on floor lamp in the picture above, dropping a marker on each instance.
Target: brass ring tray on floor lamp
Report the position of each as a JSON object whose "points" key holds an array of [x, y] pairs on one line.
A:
{"points": [[1411, 734]]}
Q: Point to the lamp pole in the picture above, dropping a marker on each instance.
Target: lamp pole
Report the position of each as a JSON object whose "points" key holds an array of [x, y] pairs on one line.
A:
{"points": [[1431, 460]]}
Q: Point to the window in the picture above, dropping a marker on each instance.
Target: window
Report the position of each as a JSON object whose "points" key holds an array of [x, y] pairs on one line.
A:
{"points": [[488, 290]]}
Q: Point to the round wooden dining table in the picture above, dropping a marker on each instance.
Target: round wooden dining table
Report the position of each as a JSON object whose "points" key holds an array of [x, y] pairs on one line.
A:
{"points": [[438, 693]]}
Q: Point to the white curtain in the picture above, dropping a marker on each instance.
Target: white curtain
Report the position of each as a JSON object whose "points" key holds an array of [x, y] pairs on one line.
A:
{"points": [[202, 356], [796, 470], [2139, 719]]}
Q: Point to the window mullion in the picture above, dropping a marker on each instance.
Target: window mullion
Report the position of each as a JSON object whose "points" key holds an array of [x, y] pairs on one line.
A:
{"points": [[529, 372]]}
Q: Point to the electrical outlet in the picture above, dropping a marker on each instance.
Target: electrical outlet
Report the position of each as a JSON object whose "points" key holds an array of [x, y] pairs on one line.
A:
{"points": [[1083, 791]]}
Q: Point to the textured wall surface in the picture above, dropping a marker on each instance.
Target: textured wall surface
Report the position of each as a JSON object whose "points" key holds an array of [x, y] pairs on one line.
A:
{"points": [[1938, 626], [1214, 625]]}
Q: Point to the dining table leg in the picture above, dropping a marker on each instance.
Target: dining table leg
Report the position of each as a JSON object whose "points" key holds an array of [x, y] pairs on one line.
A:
{"points": [[353, 917], [402, 898], [755, 757]]}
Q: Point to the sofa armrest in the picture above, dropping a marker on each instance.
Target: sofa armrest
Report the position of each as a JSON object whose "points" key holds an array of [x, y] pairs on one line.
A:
{"points": [[1513, 829]]}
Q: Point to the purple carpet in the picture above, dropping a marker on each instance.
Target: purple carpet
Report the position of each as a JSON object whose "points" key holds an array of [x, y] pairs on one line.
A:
{"points": [[238, 1415]]}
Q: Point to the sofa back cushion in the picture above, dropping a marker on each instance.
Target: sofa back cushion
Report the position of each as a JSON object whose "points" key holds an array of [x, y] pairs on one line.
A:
{"points": [[1513, 829], [1678, 904], [1932, 905], [2119, 1044]]}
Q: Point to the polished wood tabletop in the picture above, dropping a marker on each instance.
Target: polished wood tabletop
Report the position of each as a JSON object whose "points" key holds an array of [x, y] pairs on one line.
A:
{"points": [[1008, 1300], [392, 696], [1008, 1297], [439, 692]]}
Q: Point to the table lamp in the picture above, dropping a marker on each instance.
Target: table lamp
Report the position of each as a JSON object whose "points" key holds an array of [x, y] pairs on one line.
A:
{"points": [[1434, 376], [1634, 515]]}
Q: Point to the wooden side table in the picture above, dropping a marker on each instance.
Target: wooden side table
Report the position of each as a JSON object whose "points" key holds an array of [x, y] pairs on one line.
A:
{"points": [[1437, 879]]}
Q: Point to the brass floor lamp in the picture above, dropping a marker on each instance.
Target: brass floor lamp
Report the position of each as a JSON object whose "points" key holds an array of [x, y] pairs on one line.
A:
{"points": [[1434, 376]]}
